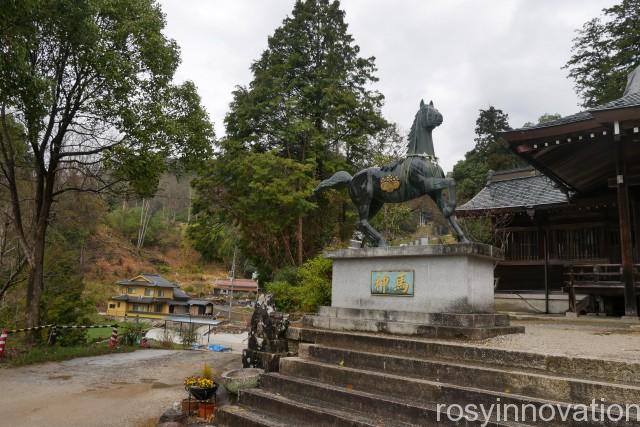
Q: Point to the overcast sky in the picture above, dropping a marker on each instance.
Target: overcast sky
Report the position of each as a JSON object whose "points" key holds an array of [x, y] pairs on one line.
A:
{"points": [[463, 55]]}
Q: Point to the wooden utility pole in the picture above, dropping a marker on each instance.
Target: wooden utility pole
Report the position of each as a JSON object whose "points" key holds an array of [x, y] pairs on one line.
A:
{"points": [[233, 276], [624, 215]]}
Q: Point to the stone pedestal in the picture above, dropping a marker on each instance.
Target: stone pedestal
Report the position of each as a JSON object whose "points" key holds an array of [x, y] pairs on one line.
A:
{"points": [[454, 278], [439, 291]]}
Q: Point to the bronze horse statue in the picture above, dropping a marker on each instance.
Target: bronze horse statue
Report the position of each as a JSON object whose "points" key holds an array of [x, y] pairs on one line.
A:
{"points": [[405, 179]]}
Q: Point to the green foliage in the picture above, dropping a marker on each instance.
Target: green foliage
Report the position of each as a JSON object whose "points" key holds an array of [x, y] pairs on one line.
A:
{"points": [[159, 231], [310, 288], [286, 296], [470, 175], [478, 229], [393, 221], [43, 353], [288, 274], [310, 90], [90, 84], [489, 124], [309, 111], [208, 234], [545, 118], [264, 196], [115, 67], [188, 336], [64, 300], [315, 278], [489, 153], [606, 49], [131, 333]]}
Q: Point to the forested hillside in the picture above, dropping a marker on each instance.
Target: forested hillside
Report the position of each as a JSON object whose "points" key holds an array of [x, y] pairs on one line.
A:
{"points": [[97, 241]]}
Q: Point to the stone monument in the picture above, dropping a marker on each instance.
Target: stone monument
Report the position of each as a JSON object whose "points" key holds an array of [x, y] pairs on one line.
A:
{"points": [[428, 290]]}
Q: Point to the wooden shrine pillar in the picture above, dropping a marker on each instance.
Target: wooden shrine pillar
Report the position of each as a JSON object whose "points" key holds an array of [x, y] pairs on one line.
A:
{"points": [[624, 216]]}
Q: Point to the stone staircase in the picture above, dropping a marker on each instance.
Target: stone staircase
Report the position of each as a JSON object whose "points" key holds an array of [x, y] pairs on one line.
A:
{"points": [[344, 378]]}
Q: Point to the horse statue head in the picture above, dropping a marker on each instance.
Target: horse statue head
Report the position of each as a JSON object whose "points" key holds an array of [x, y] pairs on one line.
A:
{"points": [[420, 140]]}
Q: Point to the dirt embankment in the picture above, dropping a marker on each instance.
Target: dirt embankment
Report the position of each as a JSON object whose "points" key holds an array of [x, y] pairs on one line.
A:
{"points": [[109, 257]]}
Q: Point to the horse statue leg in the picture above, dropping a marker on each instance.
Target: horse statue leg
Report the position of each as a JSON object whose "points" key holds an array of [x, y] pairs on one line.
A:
{"points": [[366, 211], [449, 208], [435, 186]]}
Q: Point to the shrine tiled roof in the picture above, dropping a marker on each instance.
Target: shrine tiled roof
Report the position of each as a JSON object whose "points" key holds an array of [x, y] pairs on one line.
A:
{"points": [[520, 192], [578, 117], [630, 100]]}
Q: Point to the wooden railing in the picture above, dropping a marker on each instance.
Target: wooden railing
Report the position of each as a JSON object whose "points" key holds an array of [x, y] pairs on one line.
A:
{"points": [[595, 279]]}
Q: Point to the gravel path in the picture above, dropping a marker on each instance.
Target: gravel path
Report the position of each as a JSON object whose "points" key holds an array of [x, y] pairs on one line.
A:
{"points": [[607, 340], [126, 389]]}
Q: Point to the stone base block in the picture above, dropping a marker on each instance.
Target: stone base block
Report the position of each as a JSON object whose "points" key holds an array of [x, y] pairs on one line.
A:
{"points": [[428, 325], [455, 278]]}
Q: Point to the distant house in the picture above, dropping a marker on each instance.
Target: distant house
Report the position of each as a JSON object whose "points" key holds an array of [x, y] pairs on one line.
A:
{"points": [[153, 296], [239, 286]]}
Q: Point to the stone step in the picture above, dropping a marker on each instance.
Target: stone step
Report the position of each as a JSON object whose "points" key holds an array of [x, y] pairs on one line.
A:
{"points": [[366, 391], [408, 328], [239, 416], [302, 412], [436, 319], [580, 367], [506, 380], [385, 407]]}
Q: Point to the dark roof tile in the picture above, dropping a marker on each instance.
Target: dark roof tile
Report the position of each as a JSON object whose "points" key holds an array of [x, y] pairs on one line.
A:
{"points": [[153, 280], [521, 192], [578, 117], [179, 294], [630, 100]]}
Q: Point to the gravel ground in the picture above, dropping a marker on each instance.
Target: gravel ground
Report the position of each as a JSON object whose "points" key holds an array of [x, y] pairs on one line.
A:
{"points": [[592, 339], [124, 390]]}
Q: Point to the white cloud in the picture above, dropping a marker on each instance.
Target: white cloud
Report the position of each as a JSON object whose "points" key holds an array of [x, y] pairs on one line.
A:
{"points": [[462, 54]]}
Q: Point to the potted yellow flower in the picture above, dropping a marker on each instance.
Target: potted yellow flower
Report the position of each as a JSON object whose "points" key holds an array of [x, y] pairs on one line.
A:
{"points": [[201, 387]]}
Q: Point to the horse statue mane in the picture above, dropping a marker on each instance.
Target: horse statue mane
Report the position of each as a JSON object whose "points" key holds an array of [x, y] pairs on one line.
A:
{"points": [[420, 140]]}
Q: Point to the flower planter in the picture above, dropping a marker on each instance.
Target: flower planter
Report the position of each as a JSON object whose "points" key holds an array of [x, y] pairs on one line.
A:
{"points": [[200, 393], [240, 379], [190, 407], [206, 409]]}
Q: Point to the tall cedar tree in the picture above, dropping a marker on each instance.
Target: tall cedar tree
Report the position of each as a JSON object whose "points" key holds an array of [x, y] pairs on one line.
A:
{"points": [[89, 82], [606, 49], [311, 107]]}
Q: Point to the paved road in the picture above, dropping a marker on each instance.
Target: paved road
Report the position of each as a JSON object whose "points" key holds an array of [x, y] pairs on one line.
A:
{"points": [[124, 390]]}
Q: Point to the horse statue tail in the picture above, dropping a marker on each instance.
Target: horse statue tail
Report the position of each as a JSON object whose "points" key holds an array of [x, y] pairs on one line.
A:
{"points": [[339, 178]]}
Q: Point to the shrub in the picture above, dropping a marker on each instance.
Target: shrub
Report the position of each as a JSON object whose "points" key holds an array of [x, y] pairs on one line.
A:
{"points": [[189, 336], [71, 337], [132, 333], [304, 289], [285, 296]]}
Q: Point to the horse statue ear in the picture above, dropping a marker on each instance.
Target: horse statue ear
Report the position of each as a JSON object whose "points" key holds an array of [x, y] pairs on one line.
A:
{"points": [[421, 103], [431, 103]]}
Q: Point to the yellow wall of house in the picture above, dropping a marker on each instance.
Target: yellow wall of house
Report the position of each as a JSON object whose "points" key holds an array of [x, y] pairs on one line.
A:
{"points": [[147, 308], [138, 290], [115, 310], [152, 291]]}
